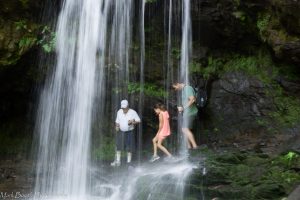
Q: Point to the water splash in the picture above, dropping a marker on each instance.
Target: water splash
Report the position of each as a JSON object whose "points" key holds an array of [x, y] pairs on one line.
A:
{"points": [[161, 181]]}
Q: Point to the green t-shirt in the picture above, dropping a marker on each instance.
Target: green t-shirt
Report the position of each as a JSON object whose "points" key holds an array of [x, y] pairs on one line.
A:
{"points": [[186, 93]]}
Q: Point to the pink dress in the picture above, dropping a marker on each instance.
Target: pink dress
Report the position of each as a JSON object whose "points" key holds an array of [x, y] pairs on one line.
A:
{"points": [[165, 131]]}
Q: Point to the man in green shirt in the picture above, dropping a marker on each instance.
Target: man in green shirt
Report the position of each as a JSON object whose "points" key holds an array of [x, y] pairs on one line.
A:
{"points": [[189, 110]]}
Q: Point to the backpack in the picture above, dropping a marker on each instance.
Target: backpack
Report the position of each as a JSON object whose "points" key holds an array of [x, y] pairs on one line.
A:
{"points": [[201, 97]]}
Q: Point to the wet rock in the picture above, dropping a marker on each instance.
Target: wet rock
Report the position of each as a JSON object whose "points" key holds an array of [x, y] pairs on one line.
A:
{"points": [[295, 195], [16, 177], [256, 176], [236, 101]]}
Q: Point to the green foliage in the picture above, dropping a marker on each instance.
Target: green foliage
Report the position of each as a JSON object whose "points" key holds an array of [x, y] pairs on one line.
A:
{"points": [[151, 1], [213, 67], [105, 150], [24, 3], [148, 89], [240, 15], [287, 108], [286, 178], [26, 42], [262, 24], [254, 176], [176, 53], [30, 37], [48, 40], [259, 66], [237, 2], [21, 25]]}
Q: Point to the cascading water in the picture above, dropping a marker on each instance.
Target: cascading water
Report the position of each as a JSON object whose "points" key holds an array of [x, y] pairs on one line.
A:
{"points": [[142, 78], [186, 43], [94, 41], [65, 110], [186, 51]]}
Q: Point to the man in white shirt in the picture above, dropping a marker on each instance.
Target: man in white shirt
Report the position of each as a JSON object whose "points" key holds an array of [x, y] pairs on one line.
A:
{"points": [[125, 123]]}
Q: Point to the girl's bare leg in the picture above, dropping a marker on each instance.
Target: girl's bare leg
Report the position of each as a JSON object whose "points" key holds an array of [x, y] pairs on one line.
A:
{"points": [[154, 140], [161, 147]]}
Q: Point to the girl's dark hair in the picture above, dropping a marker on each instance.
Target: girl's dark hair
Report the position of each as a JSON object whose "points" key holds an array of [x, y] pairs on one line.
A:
{"points": [[160, 106]]}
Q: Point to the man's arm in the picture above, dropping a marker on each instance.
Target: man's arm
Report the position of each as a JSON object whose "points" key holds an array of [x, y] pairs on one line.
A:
{"points": [[136, 118], [117, 122], [191, 101], [117, 126]]}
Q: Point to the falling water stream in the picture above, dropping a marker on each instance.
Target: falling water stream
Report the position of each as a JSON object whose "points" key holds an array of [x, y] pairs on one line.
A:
{"points": [[94, 40]]}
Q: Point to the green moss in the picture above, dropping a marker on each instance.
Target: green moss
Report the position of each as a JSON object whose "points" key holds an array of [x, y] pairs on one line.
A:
{"points": [[24, 3], [240, 15], [151, 1], [288, 160], [104, 151], [213, 68], [285, 110], [262, 24], [48, 40], [148, 89], [259, 66], [253, 176], [30, 37]]}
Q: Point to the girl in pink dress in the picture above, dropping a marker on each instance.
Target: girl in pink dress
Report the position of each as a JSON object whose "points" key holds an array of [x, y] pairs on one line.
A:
{"points": [[163, 131]]}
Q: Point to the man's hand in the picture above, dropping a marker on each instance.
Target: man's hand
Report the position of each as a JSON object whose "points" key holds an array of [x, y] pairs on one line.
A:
{"points": [[131, 122], [117, 127]]}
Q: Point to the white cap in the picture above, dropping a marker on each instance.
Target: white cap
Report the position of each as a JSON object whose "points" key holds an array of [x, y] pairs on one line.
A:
{"points": [[124, 103]]}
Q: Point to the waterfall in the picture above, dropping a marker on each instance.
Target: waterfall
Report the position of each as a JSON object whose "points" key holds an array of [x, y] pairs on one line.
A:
{"points": [[66, 104], [142, 78], [186, 52], [91, 76], [186, 42]]}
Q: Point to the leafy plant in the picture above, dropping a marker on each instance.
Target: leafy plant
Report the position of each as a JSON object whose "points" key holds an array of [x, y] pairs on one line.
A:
{"points": [[30, 36], [176, 53], [287, 110], [21, 25], [263, 23], [24, 3], [48, 39], [151, 1], [148, 89], [213, 67], [26, 42], [105, 150], [240, 15]]}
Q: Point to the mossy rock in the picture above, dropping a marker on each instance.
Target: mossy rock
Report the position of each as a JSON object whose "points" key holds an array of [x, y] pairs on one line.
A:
{"points": [[231, 158], [255, 161], [269, 191]]}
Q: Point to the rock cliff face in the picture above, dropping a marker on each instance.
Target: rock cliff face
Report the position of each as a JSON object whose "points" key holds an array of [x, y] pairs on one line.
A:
{"points": [[249, 102], [247, 95], [233, 24]]}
